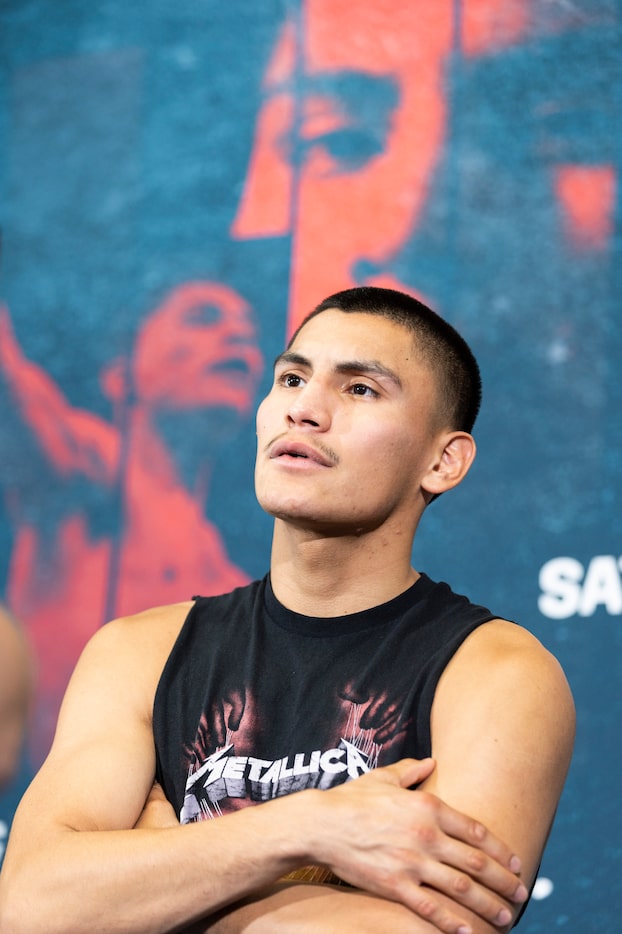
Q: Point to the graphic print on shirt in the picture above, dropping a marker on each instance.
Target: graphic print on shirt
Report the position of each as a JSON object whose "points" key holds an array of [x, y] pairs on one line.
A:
{"points": [[225, 771]]}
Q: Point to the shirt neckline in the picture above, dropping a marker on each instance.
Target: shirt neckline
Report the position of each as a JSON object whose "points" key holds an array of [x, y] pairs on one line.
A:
{"points": [[376, 616]]}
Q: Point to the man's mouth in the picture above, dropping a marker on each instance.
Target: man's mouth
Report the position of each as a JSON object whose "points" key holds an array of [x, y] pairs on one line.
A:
{"points": [[301, 451]]}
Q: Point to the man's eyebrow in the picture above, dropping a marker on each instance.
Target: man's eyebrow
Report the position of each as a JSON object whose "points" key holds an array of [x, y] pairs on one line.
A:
{"points": [[371, 367], [362, 367], [289, 356]]}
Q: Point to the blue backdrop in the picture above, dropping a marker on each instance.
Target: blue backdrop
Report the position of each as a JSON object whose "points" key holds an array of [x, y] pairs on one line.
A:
{"points": [[180, 182]]}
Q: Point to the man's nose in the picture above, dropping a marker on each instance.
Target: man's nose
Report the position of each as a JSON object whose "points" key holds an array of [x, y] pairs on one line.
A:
{"points": [[310, 407]]}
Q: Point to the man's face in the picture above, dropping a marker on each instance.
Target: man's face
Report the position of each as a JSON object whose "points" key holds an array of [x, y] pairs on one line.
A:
{"points": [[198, 349], [344, 154], [345, 436]]}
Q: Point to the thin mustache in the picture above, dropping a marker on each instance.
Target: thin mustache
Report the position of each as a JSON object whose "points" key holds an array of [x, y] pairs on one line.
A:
{"points": [[324, 449]]}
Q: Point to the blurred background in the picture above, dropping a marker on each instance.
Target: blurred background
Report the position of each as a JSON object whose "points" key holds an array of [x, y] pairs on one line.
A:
{"points": [[179, 184]]}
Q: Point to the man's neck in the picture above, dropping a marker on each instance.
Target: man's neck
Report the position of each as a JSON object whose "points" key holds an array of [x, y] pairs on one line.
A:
{"points": [[333, 576]]}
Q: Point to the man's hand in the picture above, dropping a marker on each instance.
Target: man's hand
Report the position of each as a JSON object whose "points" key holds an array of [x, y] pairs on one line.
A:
{"points": [[404, 845]]}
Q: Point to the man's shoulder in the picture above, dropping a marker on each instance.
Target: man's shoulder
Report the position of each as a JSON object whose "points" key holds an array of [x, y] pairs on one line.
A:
{"points": [[156, 629], [130, 652], [506, 639], [505, 657], [169, 614], [147, 636]]}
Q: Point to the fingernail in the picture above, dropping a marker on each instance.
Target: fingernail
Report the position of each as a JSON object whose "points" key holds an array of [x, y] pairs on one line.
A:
{"points": [[504, 916], [464, 929], [515, 864], [521, 893]]}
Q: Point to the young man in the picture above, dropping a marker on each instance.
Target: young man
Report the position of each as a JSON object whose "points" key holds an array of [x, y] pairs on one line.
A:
{"points": [[335, 677]]}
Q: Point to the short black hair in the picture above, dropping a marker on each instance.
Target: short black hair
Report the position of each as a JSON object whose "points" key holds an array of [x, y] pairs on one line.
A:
{"points": [[442, 347]]}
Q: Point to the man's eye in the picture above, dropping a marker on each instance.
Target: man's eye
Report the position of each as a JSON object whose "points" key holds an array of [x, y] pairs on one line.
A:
{"points": [[290, 379], [362, 389]]}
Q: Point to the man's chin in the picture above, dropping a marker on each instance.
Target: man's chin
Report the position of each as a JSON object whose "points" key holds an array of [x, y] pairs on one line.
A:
{"points": [[316, 524]]}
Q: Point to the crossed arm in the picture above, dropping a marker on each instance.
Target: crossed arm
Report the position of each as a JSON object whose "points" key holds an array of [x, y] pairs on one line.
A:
{"points": [[83, 848]]}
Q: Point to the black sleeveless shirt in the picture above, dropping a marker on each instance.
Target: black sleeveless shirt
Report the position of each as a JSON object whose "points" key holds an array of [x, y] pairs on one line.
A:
{"points": [[256, 701]]}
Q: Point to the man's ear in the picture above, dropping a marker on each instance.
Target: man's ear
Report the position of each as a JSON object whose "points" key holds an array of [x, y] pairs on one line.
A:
{"points": [[455, 454]]}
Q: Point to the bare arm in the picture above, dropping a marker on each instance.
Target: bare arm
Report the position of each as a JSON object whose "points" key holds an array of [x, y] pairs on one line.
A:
{"points": [[73, 857], [16, 684], [310, 907], [503, 726], [286, 906]]}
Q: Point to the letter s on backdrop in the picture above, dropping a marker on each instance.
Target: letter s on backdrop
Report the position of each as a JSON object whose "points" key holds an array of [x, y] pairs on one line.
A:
{"points": [[560, 583]]}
